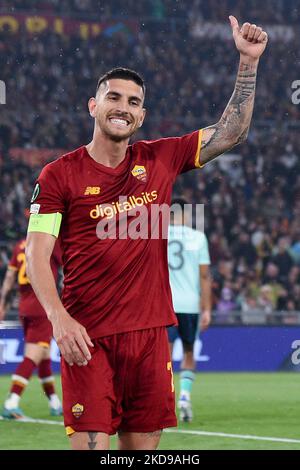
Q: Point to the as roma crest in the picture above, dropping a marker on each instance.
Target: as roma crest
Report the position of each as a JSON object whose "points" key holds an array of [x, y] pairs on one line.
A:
{"points": [[140, 173]]}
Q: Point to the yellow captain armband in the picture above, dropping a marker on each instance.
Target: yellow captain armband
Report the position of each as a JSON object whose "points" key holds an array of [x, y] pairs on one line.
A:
{"points": [[46, 223]]}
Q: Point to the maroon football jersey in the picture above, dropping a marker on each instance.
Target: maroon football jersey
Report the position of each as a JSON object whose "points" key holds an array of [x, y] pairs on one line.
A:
{"points": [[115, 285], [29, 306]]}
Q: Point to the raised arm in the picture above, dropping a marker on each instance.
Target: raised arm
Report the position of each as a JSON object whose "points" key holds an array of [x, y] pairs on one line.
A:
{"points": [[233, 127]]}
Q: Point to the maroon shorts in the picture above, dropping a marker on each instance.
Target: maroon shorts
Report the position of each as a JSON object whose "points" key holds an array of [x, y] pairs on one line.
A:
{"points": [[37, 330], [126, 386]]}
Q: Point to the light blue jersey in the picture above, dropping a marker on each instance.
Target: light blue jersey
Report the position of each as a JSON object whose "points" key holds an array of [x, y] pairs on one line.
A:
{"points": [[187, 250]]}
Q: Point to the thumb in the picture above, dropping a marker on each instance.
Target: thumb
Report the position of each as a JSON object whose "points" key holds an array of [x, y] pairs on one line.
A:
{"points": [[234, 24]]}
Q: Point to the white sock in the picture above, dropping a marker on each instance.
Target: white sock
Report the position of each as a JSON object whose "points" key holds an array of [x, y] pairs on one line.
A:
{"points": [[12, 401], [54, 401]]}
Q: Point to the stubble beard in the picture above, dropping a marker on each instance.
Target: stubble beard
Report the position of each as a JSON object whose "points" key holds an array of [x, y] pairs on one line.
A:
{"points": [[116, 137]]}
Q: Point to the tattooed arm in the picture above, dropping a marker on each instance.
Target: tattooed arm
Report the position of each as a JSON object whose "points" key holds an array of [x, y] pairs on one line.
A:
{"points": [[234, 124]]}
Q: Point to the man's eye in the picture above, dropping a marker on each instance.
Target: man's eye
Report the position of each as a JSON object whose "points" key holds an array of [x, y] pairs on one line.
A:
{"points": [[135, 103]]}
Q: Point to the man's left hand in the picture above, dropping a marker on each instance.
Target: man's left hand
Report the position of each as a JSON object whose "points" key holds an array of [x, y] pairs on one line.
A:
{"points": [[250, 40], [205, 320]]}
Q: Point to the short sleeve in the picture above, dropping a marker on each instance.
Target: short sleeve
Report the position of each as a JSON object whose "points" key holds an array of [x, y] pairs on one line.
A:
{"points": [[50, 190], [204, 257], [180, 154]]}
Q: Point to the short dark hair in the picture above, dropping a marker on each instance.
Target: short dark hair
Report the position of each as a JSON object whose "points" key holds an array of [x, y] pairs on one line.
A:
{"points": [[124, 74]]}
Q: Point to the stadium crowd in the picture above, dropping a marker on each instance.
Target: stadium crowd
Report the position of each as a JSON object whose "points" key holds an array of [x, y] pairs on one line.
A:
{"points": [[251, 196], [274, 11]]}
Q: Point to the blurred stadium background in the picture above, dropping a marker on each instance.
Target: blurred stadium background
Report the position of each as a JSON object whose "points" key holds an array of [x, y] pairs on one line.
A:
{"points": [[51, 54]]}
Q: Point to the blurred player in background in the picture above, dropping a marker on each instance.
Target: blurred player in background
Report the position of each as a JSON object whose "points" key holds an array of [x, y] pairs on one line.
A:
{"points": [[189, 261], [37, 334], [111, 323]]}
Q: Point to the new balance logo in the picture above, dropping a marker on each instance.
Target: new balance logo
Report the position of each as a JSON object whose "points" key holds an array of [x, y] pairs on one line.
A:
{"points": [[91, 190]]}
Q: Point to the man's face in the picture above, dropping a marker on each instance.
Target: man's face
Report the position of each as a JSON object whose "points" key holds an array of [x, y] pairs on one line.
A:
{"points": [[118, 108]]}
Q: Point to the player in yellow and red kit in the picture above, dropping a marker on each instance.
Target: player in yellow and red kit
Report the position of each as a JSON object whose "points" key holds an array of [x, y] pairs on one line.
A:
{"points": [[37, 333]]}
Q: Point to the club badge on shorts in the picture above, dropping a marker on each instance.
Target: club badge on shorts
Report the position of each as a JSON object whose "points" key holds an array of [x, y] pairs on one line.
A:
{"points": [[77, 410]]}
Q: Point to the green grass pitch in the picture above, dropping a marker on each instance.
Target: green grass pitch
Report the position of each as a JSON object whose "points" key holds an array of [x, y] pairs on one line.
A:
{"points": [[261, 405]]}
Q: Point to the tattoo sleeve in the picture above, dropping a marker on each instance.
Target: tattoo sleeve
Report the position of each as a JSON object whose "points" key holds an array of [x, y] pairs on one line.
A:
{"points": [[234, 124]]}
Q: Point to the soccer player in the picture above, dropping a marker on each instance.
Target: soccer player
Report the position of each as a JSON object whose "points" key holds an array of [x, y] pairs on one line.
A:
{"points": [[37, 333], [189, 261], [111, 323]]}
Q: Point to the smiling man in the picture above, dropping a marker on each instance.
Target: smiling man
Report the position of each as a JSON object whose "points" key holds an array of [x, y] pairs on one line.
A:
{"points": [[111, 323]]}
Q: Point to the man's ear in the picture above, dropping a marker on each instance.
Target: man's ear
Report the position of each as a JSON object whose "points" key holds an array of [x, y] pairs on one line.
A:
{"points": [[143, 117], [92, 106]]}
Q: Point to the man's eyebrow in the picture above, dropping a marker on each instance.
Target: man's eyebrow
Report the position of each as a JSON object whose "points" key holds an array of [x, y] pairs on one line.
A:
{"points": [[135, 98], [115, 93]]}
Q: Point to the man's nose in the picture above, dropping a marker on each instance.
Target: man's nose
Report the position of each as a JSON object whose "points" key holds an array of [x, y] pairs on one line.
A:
{"points": [[122, 107]]}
